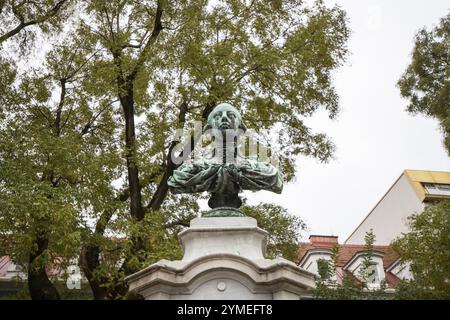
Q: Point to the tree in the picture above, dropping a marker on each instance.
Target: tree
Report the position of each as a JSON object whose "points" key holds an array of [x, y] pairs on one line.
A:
{"points": [[53, 169], [426, 81], [27, 224], [351, 287], [284, 229], [426, 247]]}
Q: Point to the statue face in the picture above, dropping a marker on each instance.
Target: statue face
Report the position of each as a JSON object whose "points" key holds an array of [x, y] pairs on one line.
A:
{"points": [[224, 117]]}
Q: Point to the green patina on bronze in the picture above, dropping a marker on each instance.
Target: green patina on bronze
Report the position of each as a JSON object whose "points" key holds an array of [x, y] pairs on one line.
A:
{"points": [[225, 174]]}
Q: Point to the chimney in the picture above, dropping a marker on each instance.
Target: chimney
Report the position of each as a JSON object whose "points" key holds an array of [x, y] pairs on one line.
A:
{"points": [[316, 239]]}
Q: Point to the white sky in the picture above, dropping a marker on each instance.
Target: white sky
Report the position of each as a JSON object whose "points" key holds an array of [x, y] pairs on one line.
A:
{"points": [[376, 138]]}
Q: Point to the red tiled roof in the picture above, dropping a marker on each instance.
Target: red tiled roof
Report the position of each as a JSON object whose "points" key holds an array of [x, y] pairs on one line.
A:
{"points": [[5, 262], [392, 280], [348, 251]]}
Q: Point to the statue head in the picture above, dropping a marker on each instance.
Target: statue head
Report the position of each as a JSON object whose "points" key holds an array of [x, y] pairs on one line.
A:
{"points": [[225, 117]]}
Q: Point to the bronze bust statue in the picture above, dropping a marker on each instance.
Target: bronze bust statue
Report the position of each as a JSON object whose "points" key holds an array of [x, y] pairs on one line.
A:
{"points": [[226, 172]]}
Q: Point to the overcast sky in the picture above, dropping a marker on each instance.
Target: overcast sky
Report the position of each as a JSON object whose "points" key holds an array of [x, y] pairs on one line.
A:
{"points": [[375, 138]]}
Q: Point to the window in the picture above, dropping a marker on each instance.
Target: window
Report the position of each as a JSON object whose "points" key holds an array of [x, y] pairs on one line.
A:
{"points": [[373, 276], [14, 268], [437, 188], [430, 187], [444, 187]]}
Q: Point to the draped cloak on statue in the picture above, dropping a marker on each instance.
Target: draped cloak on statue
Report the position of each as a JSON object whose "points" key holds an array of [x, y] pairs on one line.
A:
{"points": [[215, 177]]}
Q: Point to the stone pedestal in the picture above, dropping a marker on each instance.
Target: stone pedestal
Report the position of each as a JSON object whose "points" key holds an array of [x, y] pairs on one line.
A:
{"points": [[223, 259]]}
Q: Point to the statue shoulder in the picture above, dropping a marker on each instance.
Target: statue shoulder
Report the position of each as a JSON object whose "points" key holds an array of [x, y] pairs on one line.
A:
{"points": [[255, 164]]}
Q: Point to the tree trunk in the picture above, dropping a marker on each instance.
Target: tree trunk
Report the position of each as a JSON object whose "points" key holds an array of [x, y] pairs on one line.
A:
{"points": [[39, 285], [89, 261], [127, 101]]}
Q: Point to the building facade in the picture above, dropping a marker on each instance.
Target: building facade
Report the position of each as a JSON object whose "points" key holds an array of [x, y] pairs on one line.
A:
{"points": [[409, 194]]}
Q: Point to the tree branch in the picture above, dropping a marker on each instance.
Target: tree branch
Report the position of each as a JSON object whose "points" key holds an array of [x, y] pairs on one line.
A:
{"points": [[59, 108], [49, 14], [157, 28]]}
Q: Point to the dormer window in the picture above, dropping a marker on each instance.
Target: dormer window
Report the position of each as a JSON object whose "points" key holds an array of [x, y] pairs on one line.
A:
{"points": [[375, 272], [401, 270], [316, 261], [14, 268]]}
